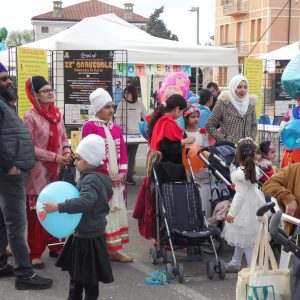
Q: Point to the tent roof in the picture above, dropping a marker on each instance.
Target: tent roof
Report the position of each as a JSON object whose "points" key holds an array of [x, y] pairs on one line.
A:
{"points": [[108, 32], [284, 53]]}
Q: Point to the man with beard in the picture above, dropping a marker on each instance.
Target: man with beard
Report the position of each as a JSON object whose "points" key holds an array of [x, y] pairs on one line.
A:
{"points": [[16, 158]]}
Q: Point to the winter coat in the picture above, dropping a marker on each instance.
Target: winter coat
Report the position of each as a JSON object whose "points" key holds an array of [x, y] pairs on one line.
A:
{"points": [[233, 126]]}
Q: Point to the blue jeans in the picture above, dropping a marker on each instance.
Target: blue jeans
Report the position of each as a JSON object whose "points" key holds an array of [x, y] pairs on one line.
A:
{"points": [[13, 222]]}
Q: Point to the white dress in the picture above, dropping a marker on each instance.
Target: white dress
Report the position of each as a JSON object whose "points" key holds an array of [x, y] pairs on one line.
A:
{"points": [[246, 201]]}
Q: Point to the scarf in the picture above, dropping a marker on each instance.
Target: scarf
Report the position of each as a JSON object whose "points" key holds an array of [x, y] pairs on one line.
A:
{"points": [[166, 127], [53, 116], [117, 200], [241, 104]]}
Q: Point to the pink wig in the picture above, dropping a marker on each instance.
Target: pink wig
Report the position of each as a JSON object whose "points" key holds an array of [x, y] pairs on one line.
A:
{"points": [[171, 84]]}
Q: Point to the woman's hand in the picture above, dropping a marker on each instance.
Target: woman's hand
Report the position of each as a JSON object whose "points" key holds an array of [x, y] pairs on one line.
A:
{"points": [[62, 160], [229, 219], [50, 207], [117, 179], [291, 208], [188, 140]]}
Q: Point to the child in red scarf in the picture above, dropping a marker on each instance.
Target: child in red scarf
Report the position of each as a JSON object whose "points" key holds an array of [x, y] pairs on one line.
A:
{"points": [[164, 134]]}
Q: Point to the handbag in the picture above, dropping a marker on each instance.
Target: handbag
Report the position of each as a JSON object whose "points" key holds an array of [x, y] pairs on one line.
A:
{"points": [[263, 280], [68, 173]]}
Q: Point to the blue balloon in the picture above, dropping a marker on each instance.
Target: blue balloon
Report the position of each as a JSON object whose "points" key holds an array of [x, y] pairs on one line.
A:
{"points": [[290, 135], [143, 129], [59, 225]]}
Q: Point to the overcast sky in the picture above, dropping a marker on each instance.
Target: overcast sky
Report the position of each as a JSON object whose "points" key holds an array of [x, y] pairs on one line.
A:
{"points": [[16, 14]]}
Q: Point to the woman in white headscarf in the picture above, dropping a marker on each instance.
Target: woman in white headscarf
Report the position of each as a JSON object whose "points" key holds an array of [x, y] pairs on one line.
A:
{"points": [[233, 116], [115, 165]]}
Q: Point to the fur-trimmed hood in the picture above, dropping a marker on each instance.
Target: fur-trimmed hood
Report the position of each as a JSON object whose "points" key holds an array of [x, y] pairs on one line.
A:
{"points": [[224, 96]]}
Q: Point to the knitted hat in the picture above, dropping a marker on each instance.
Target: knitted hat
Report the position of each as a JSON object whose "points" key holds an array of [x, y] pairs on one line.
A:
{"points": [[38, 82], [2, 68], [99, 98], [92, 149]]}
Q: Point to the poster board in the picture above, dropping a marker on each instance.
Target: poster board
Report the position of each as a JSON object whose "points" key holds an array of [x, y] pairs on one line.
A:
{"points": [[30, 62], [84, 72], [253, 71]]}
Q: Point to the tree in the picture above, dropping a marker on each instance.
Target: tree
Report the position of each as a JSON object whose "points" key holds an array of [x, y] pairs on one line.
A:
{"points": [[157, 27], [20, 37]]}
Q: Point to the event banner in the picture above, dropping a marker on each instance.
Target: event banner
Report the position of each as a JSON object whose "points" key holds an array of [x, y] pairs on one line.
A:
{"points": [[283, 101], [253, 71], [31, 62], [135, 70], [85, 71]]}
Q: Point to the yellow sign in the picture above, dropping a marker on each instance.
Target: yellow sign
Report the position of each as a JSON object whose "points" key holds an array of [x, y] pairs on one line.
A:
{"points": [[253, 71], [31, 62], [75, 139]]}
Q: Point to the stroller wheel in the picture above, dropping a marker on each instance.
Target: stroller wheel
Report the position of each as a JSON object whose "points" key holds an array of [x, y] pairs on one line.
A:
{"points": [[210, 269], [164, 254], [169, 271], [220, 269], [153, 255], [180, 273]]}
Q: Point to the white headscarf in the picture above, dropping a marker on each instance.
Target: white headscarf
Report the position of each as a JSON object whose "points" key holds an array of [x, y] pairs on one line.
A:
{"points": [[241, 104], [99, 98], [92, 149]]}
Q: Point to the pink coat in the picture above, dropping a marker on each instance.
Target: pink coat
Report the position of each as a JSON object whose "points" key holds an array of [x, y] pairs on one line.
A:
{"points": [[90, 127], [39, 129]]}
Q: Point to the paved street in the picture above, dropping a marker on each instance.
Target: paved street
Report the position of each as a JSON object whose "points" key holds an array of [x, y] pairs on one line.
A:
{"points": [[129, 278]]}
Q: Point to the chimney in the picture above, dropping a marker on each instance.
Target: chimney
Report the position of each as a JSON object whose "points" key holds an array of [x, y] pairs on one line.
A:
{"points": [[57, 9], [128, 13]]}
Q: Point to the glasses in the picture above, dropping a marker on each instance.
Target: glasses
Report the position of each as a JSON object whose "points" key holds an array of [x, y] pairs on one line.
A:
{"points": [[47, 91], [5, 78]]}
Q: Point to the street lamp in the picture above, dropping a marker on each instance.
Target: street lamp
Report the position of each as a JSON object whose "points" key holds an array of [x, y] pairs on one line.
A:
{"points": [[198, 43]]}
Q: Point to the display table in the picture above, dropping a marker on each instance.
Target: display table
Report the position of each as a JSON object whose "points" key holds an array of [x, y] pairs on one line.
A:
{"points": [[135, 139]]}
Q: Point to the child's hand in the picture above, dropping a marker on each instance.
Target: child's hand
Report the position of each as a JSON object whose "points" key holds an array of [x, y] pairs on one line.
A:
{"points": [[229, 219], [50, 207], [291, 208]]}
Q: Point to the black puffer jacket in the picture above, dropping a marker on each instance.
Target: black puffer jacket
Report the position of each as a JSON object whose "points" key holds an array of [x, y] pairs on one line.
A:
{"points": [[16, 146]]}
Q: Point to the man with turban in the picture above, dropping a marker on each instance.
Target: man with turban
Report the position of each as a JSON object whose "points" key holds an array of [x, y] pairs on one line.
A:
{"points": [[16, 158]]}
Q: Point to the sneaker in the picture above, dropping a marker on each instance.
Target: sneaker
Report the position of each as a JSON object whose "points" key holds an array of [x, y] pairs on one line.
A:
{"points": [[130, 181], [231, 269], [8, 271], [33, 283]]}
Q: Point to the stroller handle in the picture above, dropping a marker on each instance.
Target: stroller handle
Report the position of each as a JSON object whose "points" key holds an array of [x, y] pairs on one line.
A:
{"points": [[280, 236], [262, 210]]}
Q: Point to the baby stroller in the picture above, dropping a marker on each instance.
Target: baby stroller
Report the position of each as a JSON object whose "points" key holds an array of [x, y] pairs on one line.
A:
{"points": [[181, 218]]}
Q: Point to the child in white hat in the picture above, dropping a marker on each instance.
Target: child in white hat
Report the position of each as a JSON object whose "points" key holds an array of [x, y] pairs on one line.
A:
{"points": [[85, 256]]}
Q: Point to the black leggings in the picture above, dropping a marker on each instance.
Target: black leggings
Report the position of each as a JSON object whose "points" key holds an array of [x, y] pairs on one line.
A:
{"points": [[76, 289]]}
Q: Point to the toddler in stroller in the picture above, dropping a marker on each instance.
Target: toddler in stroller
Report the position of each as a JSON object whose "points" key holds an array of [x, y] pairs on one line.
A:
{"points": [[180, 219]]}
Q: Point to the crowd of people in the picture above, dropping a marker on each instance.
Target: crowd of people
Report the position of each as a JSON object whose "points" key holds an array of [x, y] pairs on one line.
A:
{"points": [[33, 150]]}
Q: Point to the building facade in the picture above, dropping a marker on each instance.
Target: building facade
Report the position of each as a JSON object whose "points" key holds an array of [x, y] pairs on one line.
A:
{"points": [[60, 18], [255, 27]]}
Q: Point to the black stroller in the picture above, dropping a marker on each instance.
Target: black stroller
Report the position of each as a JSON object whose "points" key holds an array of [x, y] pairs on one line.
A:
{"points": [[180, 219]]}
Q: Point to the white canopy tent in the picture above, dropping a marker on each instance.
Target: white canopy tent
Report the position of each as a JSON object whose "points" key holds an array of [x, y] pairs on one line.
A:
{"points": [[285, 53], [108, 32]]}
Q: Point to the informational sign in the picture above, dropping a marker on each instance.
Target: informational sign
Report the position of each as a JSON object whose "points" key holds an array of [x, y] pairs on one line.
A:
{"points": [[134, 70], [253, 71], [31, 62], [283, 102], [84, 72]]}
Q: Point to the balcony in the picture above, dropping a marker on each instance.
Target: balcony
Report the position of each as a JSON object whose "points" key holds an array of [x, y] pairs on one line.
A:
{"points": [[235, 7], [240, 45]]}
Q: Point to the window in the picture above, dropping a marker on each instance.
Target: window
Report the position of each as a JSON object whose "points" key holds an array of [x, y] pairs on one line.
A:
{"points": [[45, 29], [252, 32], [258, 29], [221, 34]]}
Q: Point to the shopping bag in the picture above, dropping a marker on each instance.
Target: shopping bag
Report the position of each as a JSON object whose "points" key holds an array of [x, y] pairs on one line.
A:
{"points": [[267, 281], [263, 280]]}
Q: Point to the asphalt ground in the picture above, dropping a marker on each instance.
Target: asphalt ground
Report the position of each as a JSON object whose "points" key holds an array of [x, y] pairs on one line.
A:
{"points": [[129, 278]]}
